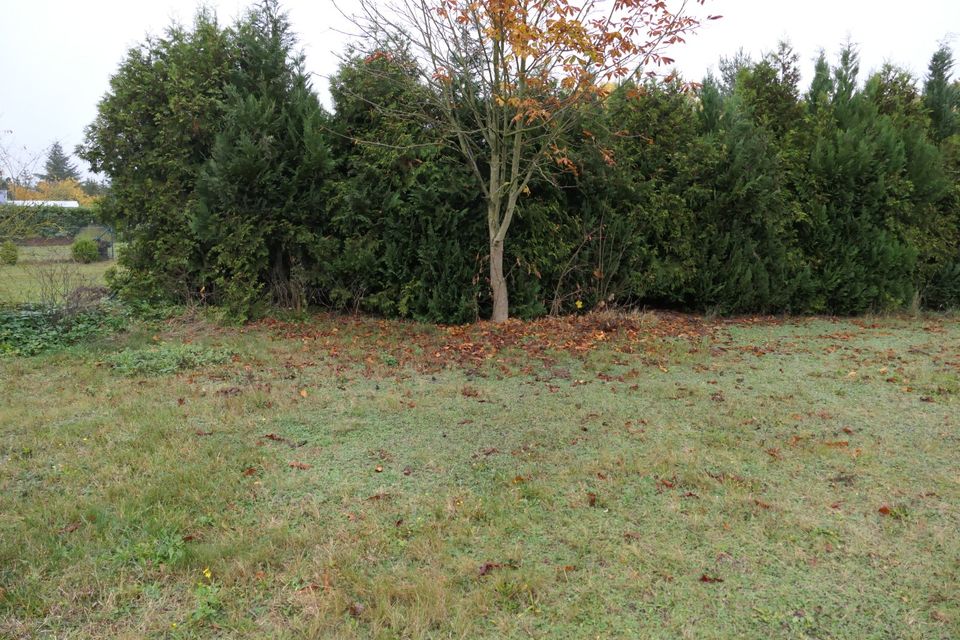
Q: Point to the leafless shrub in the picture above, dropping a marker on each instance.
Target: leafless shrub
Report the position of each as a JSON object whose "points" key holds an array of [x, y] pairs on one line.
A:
{"points": [[54, 283]]}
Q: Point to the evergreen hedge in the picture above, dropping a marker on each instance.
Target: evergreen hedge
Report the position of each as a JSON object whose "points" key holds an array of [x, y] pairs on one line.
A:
{"points": [[746, 195]]}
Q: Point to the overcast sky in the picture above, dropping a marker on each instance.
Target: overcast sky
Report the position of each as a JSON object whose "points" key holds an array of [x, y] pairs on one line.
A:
{"points": [[58, 56]]}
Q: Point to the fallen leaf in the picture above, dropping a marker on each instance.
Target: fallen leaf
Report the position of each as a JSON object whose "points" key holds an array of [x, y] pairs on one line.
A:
{"points": [[838, 444], [710, 579], [488, 567], [774, 453], [761, 504], [356, 609], [180, 401], [204, 433], [303, 393], [407, 471], [884, 510], [70, 528], [299, 465], [250, 471], [592, 499], [663, 483]]}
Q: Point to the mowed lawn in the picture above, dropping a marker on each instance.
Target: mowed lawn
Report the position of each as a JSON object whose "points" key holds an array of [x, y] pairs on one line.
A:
{"points": [[650, 476], [43, 271]]}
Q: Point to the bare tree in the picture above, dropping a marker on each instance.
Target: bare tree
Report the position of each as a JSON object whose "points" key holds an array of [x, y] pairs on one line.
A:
{"points": [[17, 169], [507, 78]]}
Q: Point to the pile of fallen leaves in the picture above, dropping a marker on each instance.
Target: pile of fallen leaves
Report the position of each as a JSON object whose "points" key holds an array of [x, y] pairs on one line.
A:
{"points": [[377, 342]]}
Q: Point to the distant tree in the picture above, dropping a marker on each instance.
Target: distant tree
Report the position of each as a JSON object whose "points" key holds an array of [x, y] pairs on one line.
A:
{"points": [[58, 166], [95, 188]]}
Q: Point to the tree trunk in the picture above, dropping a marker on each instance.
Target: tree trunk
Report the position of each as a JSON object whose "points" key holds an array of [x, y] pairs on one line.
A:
{"points": [[498, 283]]}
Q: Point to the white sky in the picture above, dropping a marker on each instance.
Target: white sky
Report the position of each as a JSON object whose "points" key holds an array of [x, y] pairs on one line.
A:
{"points": [[56, 56]]}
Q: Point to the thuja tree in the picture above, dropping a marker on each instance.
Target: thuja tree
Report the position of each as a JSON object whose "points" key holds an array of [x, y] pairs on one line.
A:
{"points": [[154, 129], [260, 197], [403, 208], [941, 98], [507, 78], [875, 181], [153, 132]]}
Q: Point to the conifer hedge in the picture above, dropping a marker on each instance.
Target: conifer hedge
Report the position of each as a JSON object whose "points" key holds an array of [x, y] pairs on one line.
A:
{"points": [[747, 194]]}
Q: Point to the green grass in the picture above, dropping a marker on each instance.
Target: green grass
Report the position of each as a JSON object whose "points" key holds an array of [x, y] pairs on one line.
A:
{"points": [[47, 270], [352, 478]]}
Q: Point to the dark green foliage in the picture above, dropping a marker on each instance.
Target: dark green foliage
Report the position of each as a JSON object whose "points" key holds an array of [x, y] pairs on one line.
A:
{"points": [[49, 221], [29, 330], [635, 233], [748, 195], [85, 250], [822, 85], [58, 166], [405, 235], [858, 202], [9, 253], [165, 359], [748, 255], [941, 97], [260, 209], [154, 130]]}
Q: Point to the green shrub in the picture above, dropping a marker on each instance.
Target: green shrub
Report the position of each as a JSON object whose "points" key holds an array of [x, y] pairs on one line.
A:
{"points": [[29, 330], [8, 253], [85, 251], [46, 221]]}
